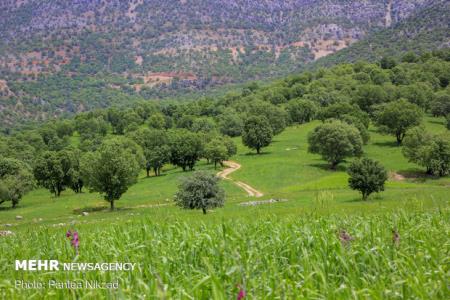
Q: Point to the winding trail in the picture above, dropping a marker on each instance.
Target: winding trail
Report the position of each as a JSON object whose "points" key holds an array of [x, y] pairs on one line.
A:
{"points": [[232, 167]]}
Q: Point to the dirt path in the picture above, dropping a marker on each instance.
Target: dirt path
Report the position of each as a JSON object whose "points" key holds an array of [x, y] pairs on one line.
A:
{"points": [[233, 166]]}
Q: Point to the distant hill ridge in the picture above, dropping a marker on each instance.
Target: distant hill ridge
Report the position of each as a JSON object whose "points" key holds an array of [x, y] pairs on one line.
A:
{"points": [[64, 57]]}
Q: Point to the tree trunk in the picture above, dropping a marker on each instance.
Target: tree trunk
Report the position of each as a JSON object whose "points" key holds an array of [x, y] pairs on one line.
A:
{"points": [[333, 165], [215, 164], [364, 196], [204, 210], [148, 172], [112, 205], [258, 150], [399, 137]]}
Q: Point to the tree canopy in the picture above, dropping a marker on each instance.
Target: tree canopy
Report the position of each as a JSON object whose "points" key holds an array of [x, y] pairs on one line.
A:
{"points": [[200, 191], [334, 141]]}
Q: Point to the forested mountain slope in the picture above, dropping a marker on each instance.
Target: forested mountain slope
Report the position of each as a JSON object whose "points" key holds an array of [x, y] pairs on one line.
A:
{"points": [[424, 30], [64, 57]]}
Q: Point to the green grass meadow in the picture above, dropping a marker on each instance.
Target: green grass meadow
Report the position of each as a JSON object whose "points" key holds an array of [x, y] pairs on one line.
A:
{"points": [[284, 250]]}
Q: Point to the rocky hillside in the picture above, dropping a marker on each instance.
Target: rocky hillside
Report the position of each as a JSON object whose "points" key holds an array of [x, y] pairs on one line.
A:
{"points": [[190, 39], [424, 30], [68, 56]]}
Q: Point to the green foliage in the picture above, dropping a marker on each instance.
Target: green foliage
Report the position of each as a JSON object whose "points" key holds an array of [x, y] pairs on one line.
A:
{"points": [[428, 150], [276, 116], [230, 145], [230, 123], [440, 107], [302, 111], [388, 62], [186, 148], [355, 121], [155, 148], [257, 133], [51, 139], [200, 191], [204, 125], [157, 121], [157, 158], [216, 152], [369, 95], [367, 176], [397, 117], [334, 141], [16, 179], [52, 171], [91, 127], [420, 94], [111, 170]]}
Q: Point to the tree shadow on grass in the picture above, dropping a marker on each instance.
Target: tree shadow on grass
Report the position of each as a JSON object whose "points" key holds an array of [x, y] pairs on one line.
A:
{"points": [[256, 154], [375, 197], [326, 167], [416, 175], [91, 209], [392, 144], [2, 208], [439, 122], [152, 176]]}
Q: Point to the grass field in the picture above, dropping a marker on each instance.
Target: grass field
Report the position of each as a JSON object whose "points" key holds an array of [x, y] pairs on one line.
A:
{"points": [[283, 250]]}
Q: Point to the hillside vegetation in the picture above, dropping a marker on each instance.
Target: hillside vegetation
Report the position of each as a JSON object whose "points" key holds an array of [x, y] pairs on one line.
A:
{"points": [[118, 178], [94, 54], [422, 31]]}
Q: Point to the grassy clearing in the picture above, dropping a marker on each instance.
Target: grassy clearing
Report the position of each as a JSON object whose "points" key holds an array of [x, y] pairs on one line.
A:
{"points": [[283, 250], [284, 170]]}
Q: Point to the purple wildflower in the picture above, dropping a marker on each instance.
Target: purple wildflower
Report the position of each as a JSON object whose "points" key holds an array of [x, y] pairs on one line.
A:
{"points": [[73, 239], [241, 294]]}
